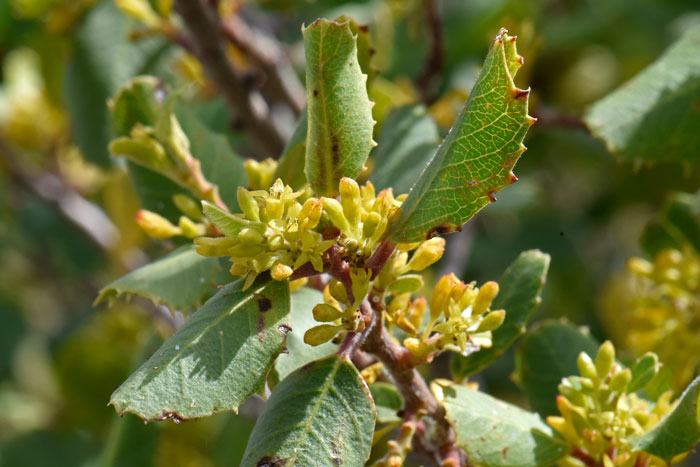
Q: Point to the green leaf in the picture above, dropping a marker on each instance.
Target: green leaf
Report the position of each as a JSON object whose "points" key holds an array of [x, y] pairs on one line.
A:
{"points": [[298, 352], [339, 136], [104, 58], [678, 432], [476, 158], [678, 225], [495, 433], [291, 165], [387, 400], [408, 140], [182, 280], [322, 414], [227, 223], [653, 117], [218, 359], [520, 289], [547, 354]]}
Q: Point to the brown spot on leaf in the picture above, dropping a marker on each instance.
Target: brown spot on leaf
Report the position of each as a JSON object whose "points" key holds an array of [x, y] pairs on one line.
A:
{"points": [[307, 366], [473, 183], [269, 461], [335, 151], [492, 195], [337, 461], [264, 304], [315, 93], [372, 51], [504, 451], [175, 417], [521, 93], [363, 27], [440, 230]]}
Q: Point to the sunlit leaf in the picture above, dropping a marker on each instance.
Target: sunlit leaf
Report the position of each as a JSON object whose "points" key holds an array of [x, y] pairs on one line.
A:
{"points": [[218, 359], [476, 158]]}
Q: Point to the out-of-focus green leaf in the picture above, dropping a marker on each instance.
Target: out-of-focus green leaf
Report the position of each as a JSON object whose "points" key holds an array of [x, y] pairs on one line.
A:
{"points": [[387, 400], [291, 165], [298, 352], [677, 226], [339, 136], [678, 432], [218, 358], [408, 140], [547, 354], [104, 58], [520, 289], [654, 117], [476, 159], [495, 433], [322, 414], [182, 280]]}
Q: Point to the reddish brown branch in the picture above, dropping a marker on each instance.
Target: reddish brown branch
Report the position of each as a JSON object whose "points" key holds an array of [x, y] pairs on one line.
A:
{"points": [[381, 255], [435, 59], [435, 437], [281, 82], [207, 41]]}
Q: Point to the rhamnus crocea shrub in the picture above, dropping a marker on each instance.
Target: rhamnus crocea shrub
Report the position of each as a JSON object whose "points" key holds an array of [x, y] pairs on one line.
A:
{"points": [[328, 301]]}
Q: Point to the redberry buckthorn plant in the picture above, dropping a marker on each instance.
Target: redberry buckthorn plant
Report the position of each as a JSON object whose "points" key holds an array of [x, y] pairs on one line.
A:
{"points": [[298, 201]]}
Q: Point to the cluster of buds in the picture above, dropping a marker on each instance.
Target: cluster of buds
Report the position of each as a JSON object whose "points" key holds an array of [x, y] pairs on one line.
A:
{"points": [[275, 233], [600, 411], [663, 309], [460, 318], [190, 225]]}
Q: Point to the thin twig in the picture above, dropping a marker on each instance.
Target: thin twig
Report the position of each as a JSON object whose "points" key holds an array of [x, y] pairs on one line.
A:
{"points": [[381, 255], [549, 117], [281, 81], [85, 215], [207, 40], [435, 59]]}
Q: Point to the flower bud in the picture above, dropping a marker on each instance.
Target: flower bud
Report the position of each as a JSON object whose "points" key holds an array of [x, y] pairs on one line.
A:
{"points": [[427, 253], [260, 174], [213, 246], [335, 213], [605, 359], [248, 236], [320, 334], [406, 284], [350, 200], [620, 381], [188, 206], [311, 213], [441, 296], [484, 297], [238, 269], [248, 204], [640, 266], [399, 304], [281, 272], [492, 321], [325, 313], [369, 227], [155, 225], [337, 290], [586, 367], [189, 229]]}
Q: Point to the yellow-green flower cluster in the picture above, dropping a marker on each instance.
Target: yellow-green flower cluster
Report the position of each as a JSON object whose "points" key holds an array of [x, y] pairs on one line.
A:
{"points": [[157, 226], [662, 312], [600, 413], [460, 318], [276, 233]]}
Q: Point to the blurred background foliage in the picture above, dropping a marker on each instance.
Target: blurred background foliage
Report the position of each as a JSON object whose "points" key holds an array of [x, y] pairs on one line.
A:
{"points": [[67, 206]]}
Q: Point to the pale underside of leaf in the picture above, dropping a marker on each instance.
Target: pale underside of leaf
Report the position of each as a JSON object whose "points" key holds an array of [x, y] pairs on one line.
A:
{"points": [[476, 158], [322, 414], [220, 356], [494, 433], [339, 134]]}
